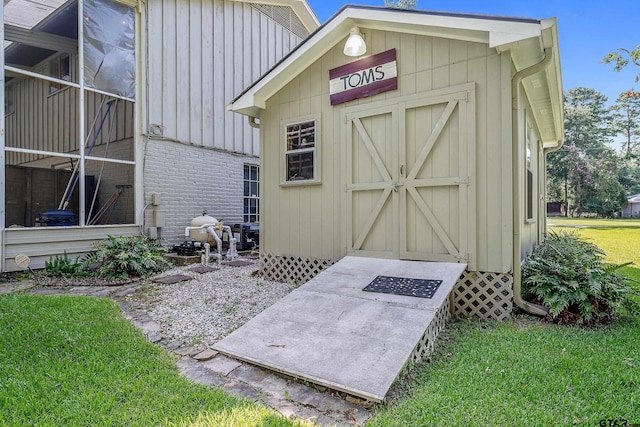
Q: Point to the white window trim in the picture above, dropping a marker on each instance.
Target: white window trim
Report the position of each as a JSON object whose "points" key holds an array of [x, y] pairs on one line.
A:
{"points": [[246, 217], [317, 164]]}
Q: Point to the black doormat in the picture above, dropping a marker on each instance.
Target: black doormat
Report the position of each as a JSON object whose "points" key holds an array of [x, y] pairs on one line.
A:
{"points": [[421, 288]]}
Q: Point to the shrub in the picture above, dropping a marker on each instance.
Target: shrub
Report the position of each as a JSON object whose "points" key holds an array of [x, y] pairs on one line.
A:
{"points": [[62, 266], [569, 276], [119, 257]]}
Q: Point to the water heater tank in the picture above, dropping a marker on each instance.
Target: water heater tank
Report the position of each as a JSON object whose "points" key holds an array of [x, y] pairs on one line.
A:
{"points": [[201, 235]]}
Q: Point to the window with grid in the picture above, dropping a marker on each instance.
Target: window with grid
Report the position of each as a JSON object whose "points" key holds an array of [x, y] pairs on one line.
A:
{"points": [[300, 151], [251, 193]]}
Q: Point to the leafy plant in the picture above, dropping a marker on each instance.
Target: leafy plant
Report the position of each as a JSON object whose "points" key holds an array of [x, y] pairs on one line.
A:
{"points": [[569, 276], [63, 266], [119, 257]]}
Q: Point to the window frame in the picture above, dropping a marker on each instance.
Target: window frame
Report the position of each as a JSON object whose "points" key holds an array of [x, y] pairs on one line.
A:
{"points": [[247, 212], [315, 150], [529, 211]]}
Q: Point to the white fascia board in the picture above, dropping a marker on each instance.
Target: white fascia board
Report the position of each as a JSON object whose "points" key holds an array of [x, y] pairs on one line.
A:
{"points": [[300, 7], [554, 75], [480, 29]]}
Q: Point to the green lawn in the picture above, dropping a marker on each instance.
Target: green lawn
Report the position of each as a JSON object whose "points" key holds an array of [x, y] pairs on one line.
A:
{"points": [[515, 374], [523, 373], [620, 239], [71, 361]]}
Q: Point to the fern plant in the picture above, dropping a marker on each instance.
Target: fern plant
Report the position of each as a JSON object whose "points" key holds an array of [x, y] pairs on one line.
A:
{"points": [[63, 266], [569, 276], [119, 257]]}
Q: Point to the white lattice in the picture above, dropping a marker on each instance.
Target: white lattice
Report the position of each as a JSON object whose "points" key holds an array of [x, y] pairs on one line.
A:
{"points": [[427, 343], [486, 295], [290, 269]]}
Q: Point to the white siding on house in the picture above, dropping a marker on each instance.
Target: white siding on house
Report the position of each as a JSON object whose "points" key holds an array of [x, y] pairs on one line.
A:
{"points": [[201, 54], [39, 243]]}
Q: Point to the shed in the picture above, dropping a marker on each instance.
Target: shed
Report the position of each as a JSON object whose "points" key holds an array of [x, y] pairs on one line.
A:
{"points": [[431, 146], [632, 210]]}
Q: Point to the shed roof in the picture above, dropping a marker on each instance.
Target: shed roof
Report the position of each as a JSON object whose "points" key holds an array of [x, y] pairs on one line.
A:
{"points": [[526, 39]]}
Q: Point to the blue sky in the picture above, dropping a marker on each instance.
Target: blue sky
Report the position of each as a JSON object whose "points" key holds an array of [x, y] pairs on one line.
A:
{"points": [[588, 30]]}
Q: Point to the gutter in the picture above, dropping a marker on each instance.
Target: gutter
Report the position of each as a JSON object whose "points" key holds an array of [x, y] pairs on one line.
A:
{"points": [[516, 165]]}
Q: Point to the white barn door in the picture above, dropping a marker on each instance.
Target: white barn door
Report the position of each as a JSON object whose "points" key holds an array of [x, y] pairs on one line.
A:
{"points": [[409, 168]]}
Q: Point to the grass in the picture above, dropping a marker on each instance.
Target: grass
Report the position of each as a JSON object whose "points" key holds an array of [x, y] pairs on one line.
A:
{"points": [[76, 362], [515, 374], [619, 238], [523, 373]]}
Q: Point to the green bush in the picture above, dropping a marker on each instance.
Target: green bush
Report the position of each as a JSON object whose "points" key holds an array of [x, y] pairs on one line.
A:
{"points": [[569, 276], [119, 257], [62, 266]]}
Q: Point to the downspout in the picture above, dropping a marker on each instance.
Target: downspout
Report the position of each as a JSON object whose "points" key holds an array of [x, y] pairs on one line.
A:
{"points": [[516, 163]]}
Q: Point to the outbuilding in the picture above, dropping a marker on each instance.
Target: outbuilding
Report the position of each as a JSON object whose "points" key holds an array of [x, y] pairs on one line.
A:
{"points": [[429, 146]]}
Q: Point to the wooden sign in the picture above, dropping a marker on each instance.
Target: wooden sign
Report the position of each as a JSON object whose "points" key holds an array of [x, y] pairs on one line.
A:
{"points": [[365, 77]]}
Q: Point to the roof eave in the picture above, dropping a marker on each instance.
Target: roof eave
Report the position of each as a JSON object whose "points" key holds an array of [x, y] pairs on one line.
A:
{"points": [[498, 32]]}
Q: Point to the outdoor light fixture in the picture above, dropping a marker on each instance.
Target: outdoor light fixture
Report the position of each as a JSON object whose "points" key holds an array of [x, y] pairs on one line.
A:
{"points": [[355, 45]]}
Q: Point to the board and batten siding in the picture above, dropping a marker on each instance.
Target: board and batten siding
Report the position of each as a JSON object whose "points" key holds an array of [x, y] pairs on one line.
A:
{"points": [[201, 55], [308, 221], [46, 118], [39, 243]]}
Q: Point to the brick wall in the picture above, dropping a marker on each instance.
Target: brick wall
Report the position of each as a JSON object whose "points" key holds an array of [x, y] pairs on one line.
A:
{"points": [[190, 180]]}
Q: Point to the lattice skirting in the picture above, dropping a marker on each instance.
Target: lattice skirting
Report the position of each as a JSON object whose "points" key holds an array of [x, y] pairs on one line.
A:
{"points": [[427, 343], [291, 269], [486, 295]]}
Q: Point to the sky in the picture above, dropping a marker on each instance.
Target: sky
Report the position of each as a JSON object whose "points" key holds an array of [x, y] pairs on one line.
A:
{"points": [[587, 31]]}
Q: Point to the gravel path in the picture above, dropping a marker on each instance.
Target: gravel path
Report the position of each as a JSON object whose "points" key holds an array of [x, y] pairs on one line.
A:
{"points": [[211, 305]]}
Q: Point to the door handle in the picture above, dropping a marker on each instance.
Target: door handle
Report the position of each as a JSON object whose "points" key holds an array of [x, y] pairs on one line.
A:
{"points": [[401, 170]]}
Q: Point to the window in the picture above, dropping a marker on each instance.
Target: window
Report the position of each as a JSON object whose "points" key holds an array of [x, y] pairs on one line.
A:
{"points": [[529, 167], [251, 193], [300, 151], [60, 68]]}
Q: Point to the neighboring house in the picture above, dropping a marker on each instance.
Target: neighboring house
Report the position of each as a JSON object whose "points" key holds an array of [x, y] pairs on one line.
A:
{"points": [[632, 210], [430, 147], [131, 98]]}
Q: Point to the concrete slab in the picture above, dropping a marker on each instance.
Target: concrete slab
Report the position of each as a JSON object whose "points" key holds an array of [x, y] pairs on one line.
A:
{"points": [[332, 333]]}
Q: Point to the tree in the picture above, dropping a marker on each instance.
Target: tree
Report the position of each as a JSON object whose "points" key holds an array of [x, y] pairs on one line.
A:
{"points": [[621, 58], [587, 132], [627, 120], [401, 4], [629, 175], [603, 194]]}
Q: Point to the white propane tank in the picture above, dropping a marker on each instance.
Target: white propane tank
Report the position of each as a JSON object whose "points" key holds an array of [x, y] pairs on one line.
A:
{"points": [[201, 235]]}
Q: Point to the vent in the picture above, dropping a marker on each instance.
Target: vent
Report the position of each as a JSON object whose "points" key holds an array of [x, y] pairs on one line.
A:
{"points": [[284, 16]]}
